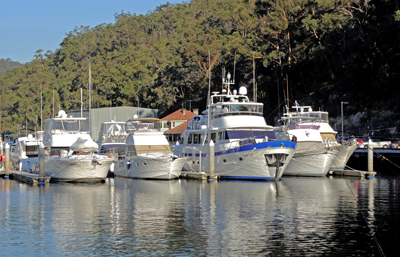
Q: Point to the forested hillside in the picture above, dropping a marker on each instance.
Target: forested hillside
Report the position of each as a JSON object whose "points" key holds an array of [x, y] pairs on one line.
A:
{"points": [[324, 51], [6, 64]]}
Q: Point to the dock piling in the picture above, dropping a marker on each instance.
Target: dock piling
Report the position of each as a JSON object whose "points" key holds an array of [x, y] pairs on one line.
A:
{"points": [[7, 164], [370, 158], [41, 160], [212, 176]]}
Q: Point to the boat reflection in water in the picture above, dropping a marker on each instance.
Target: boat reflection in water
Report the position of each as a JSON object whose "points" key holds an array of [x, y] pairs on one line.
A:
{"points": [[299, 216]]}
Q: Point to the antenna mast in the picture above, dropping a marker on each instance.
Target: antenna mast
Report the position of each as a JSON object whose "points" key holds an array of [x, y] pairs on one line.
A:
{"points": [[209, 88], [254, 82], [234, 68], [287, 90], [41, 107], [90, 103]]}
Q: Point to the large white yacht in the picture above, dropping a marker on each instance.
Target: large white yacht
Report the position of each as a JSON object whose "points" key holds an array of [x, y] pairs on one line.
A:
{"points": [[70, 151], [308, 116], [314, 155], [245, 146], [148, 154]]}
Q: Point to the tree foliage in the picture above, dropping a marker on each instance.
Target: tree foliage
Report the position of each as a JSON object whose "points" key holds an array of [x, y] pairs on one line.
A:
{"points": [[324, 50]]}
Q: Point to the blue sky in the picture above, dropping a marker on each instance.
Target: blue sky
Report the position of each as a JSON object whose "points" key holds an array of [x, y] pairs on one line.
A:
{"points": [[28, 25]]}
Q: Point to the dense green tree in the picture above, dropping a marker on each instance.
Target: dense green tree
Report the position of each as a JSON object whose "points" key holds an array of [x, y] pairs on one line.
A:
{"points": [[323, 51]]}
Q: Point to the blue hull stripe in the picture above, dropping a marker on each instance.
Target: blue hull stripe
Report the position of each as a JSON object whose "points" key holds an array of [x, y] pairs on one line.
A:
{"points": [[264, 145], [246, 177]]}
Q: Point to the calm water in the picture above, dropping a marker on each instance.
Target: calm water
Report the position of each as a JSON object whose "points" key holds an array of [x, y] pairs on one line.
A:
{"points": [[124, 217]]}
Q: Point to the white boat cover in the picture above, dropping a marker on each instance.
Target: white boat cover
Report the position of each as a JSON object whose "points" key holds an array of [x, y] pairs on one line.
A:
{"points": [[84, 145]]}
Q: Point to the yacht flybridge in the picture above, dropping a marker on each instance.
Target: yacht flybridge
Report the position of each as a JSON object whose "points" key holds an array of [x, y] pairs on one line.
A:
{"points": [[245, 146]]}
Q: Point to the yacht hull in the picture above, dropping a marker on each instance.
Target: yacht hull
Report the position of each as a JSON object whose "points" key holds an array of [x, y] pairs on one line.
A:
{"points": [[262, 161], [145, 167], [345, 152], [24, 164], [312, 163], [76, 168]]}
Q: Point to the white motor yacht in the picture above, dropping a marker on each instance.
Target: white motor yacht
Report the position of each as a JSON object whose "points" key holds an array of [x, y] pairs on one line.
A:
{"points": [[25, 151], [313, 156], [245, 146], [321, 118], [148, 155], [70, 151], [112, 138]]}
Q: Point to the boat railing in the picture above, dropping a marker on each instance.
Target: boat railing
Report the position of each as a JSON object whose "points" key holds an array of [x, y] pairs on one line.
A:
{"points": [[62, 132], [114, 138], [234, 113]]}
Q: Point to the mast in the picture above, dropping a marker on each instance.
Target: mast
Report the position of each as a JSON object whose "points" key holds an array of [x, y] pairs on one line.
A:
{"points": [[41, 107], [81, 104], [209, 89], [90, 103], [254, 82], [287, 90]]}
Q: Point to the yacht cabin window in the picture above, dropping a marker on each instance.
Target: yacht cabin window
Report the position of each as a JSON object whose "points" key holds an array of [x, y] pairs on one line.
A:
{"points": [[213, 136]]}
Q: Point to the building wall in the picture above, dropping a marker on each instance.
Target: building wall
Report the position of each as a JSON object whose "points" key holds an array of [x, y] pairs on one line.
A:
{"points": [[174, 123], [120, 113]]}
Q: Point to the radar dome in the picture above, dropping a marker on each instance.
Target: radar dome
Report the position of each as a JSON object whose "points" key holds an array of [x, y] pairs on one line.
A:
{"points": [[242, 90]]}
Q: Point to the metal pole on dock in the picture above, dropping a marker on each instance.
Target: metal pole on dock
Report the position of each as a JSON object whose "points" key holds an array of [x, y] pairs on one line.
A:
{"points": [[370, 156], [212, 160], [7, 168], [200, 170], [41, 160]]}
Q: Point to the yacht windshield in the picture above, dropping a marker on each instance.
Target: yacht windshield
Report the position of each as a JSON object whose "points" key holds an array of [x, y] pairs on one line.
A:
{"points": [[237, 108], [113, 129], [69, 125], [141, 125]]}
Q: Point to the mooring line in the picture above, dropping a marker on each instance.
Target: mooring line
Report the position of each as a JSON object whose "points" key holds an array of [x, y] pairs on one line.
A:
{"points": [[365, 219], [383, 158]]}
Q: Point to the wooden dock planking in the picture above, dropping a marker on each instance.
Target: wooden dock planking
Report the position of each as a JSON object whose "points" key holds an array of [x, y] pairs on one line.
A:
{"points": [[26, 177], [198, 175], [353, 173]]}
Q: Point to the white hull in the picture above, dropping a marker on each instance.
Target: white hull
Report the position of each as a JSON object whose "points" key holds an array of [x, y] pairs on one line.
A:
{"points": [[76, 168], [248, 162], [345, 151], [25, 164], [313, 163], [149, 168]]}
